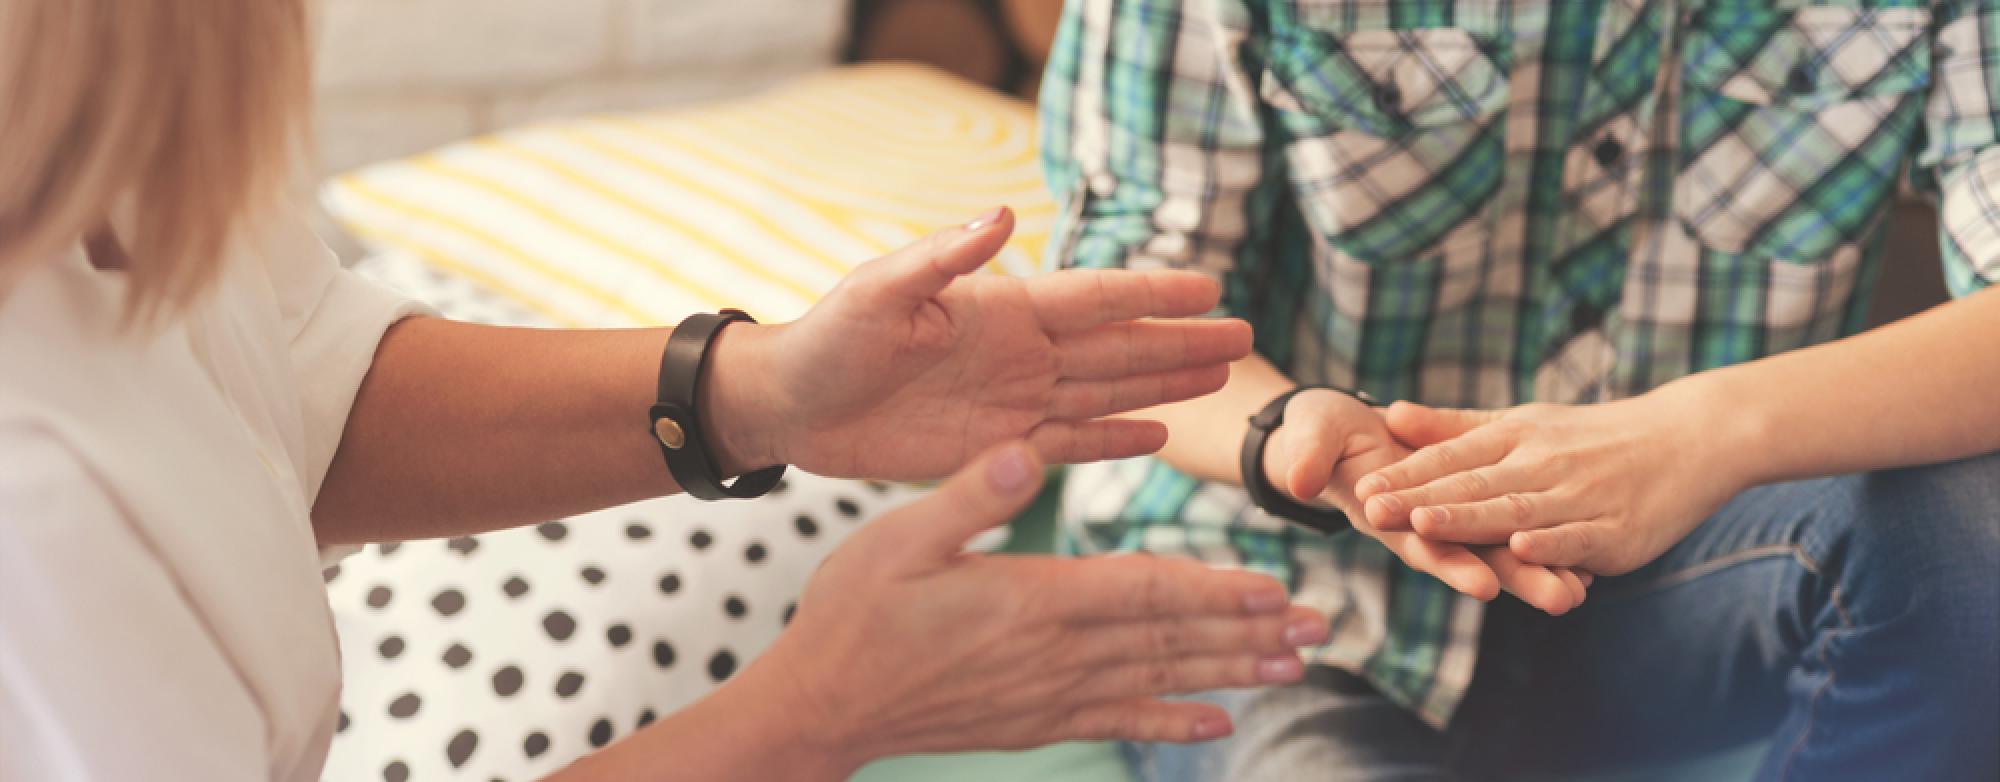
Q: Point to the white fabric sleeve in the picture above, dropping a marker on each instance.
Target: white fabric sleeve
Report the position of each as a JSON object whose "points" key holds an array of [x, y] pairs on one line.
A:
{"points": [[106, 672], [336, 320]]}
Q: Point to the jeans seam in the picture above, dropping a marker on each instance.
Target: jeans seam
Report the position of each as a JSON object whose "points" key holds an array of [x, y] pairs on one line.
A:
{"points": [[1825, 661], [1706, 567]]}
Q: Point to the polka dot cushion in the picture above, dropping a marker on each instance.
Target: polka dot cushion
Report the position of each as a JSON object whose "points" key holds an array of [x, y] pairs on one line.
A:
{"points": [[508, 655]]}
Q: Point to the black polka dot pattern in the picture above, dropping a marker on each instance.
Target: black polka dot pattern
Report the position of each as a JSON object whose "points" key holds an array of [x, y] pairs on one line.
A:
{"points": [[461, 747], [396, 771], [449, 602], [569, 684], [508, 655], [507, 681], [722, 665], [559, 625]]}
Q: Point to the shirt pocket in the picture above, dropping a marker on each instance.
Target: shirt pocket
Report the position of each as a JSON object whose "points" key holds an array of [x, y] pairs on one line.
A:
{"points": [[1795, 125], [1393, 137]]}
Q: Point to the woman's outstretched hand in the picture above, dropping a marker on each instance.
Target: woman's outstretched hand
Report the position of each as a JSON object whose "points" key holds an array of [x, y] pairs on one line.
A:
{"points": [[904, 643], [913, 364]]}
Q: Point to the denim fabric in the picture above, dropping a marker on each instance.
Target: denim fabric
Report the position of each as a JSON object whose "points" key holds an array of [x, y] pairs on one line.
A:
{"points": [[1854, 621]]}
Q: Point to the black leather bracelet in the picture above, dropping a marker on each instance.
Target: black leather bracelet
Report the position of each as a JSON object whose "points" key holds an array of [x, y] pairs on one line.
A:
{"points": [[1272, 499], [676, 416]]}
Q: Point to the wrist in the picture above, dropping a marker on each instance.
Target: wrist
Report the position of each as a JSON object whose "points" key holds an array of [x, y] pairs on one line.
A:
{"points": [[824, 746], [745, 730], [1726, 432], [739, 412]]}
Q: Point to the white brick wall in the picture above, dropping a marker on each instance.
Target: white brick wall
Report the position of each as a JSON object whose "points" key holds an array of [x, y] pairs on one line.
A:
{"points": [[400, 76]]}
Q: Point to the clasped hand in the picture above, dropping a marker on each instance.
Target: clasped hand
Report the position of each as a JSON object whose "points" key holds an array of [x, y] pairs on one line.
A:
{"points": [[1535, 499], [1606, 488]]}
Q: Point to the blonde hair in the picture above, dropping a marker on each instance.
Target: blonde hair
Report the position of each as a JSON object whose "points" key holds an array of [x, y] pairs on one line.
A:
{"points": [[187, 113]]}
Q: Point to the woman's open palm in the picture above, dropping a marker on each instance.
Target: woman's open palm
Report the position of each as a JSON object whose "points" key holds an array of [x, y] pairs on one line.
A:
{"points": [[913, 364]]}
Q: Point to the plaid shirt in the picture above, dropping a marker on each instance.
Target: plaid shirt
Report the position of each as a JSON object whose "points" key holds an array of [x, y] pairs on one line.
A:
{"points": [[1487, 202]]}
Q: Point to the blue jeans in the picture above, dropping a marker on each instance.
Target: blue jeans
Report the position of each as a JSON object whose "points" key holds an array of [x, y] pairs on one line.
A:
{"points": [[1853, 621]]}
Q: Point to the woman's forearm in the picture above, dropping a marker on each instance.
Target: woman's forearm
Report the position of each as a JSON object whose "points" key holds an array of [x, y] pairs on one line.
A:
{"points": [[463, 428], [1203, 434], [1913, 392]]}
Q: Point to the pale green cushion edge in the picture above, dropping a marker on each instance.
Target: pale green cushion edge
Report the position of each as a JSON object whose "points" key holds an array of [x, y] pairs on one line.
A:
{"points": [[1082, 762]]}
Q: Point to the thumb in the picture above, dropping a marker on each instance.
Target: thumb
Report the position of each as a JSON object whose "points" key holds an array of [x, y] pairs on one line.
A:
{"points": [[921, 270], [1418, 426], [986, 493]]}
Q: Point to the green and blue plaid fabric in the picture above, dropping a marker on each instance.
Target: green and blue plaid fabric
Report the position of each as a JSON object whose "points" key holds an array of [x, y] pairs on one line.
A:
{"points": [[1488, 202]]}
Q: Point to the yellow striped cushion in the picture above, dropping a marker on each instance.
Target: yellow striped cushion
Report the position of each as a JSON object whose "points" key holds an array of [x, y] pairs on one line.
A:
{"points": [[759, 203]]}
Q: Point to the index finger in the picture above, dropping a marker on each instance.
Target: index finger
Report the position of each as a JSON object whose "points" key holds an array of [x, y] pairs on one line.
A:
{"points": [[1478, 448], [1079, 299], [1124, 588]]}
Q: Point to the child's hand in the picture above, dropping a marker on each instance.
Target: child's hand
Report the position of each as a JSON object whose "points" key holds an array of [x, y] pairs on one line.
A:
{"points": [[1330, 440]]}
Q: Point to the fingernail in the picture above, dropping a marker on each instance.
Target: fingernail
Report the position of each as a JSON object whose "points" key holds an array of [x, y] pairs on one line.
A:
{"points": [[1433, 517], [1208, 728], [1010, 472], [1278, 670], [1370, 486], [992, 216], [1389, 504], [1268, 601], [1306, 632]]}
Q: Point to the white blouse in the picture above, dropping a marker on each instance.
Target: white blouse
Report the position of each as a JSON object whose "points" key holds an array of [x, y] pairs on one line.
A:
{"points": [[161, 610]]}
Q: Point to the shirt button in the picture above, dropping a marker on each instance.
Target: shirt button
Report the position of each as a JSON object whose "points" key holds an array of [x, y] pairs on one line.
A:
{"points": [[1584, 317], [1608, 151], [1389, 97], [1801, 79]]}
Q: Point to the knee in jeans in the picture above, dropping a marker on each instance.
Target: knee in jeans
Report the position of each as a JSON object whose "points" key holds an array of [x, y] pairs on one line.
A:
{"points": [[1931, 535]]}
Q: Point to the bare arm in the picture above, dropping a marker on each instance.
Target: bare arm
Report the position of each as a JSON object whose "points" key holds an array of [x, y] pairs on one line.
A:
{"points": [[906, 370], [1913, 392], [1200, 432], [461, 428]]}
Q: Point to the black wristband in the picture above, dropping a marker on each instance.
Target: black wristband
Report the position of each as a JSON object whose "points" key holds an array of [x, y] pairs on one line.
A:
{"points": [[1272, 499], [676, 416]]}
